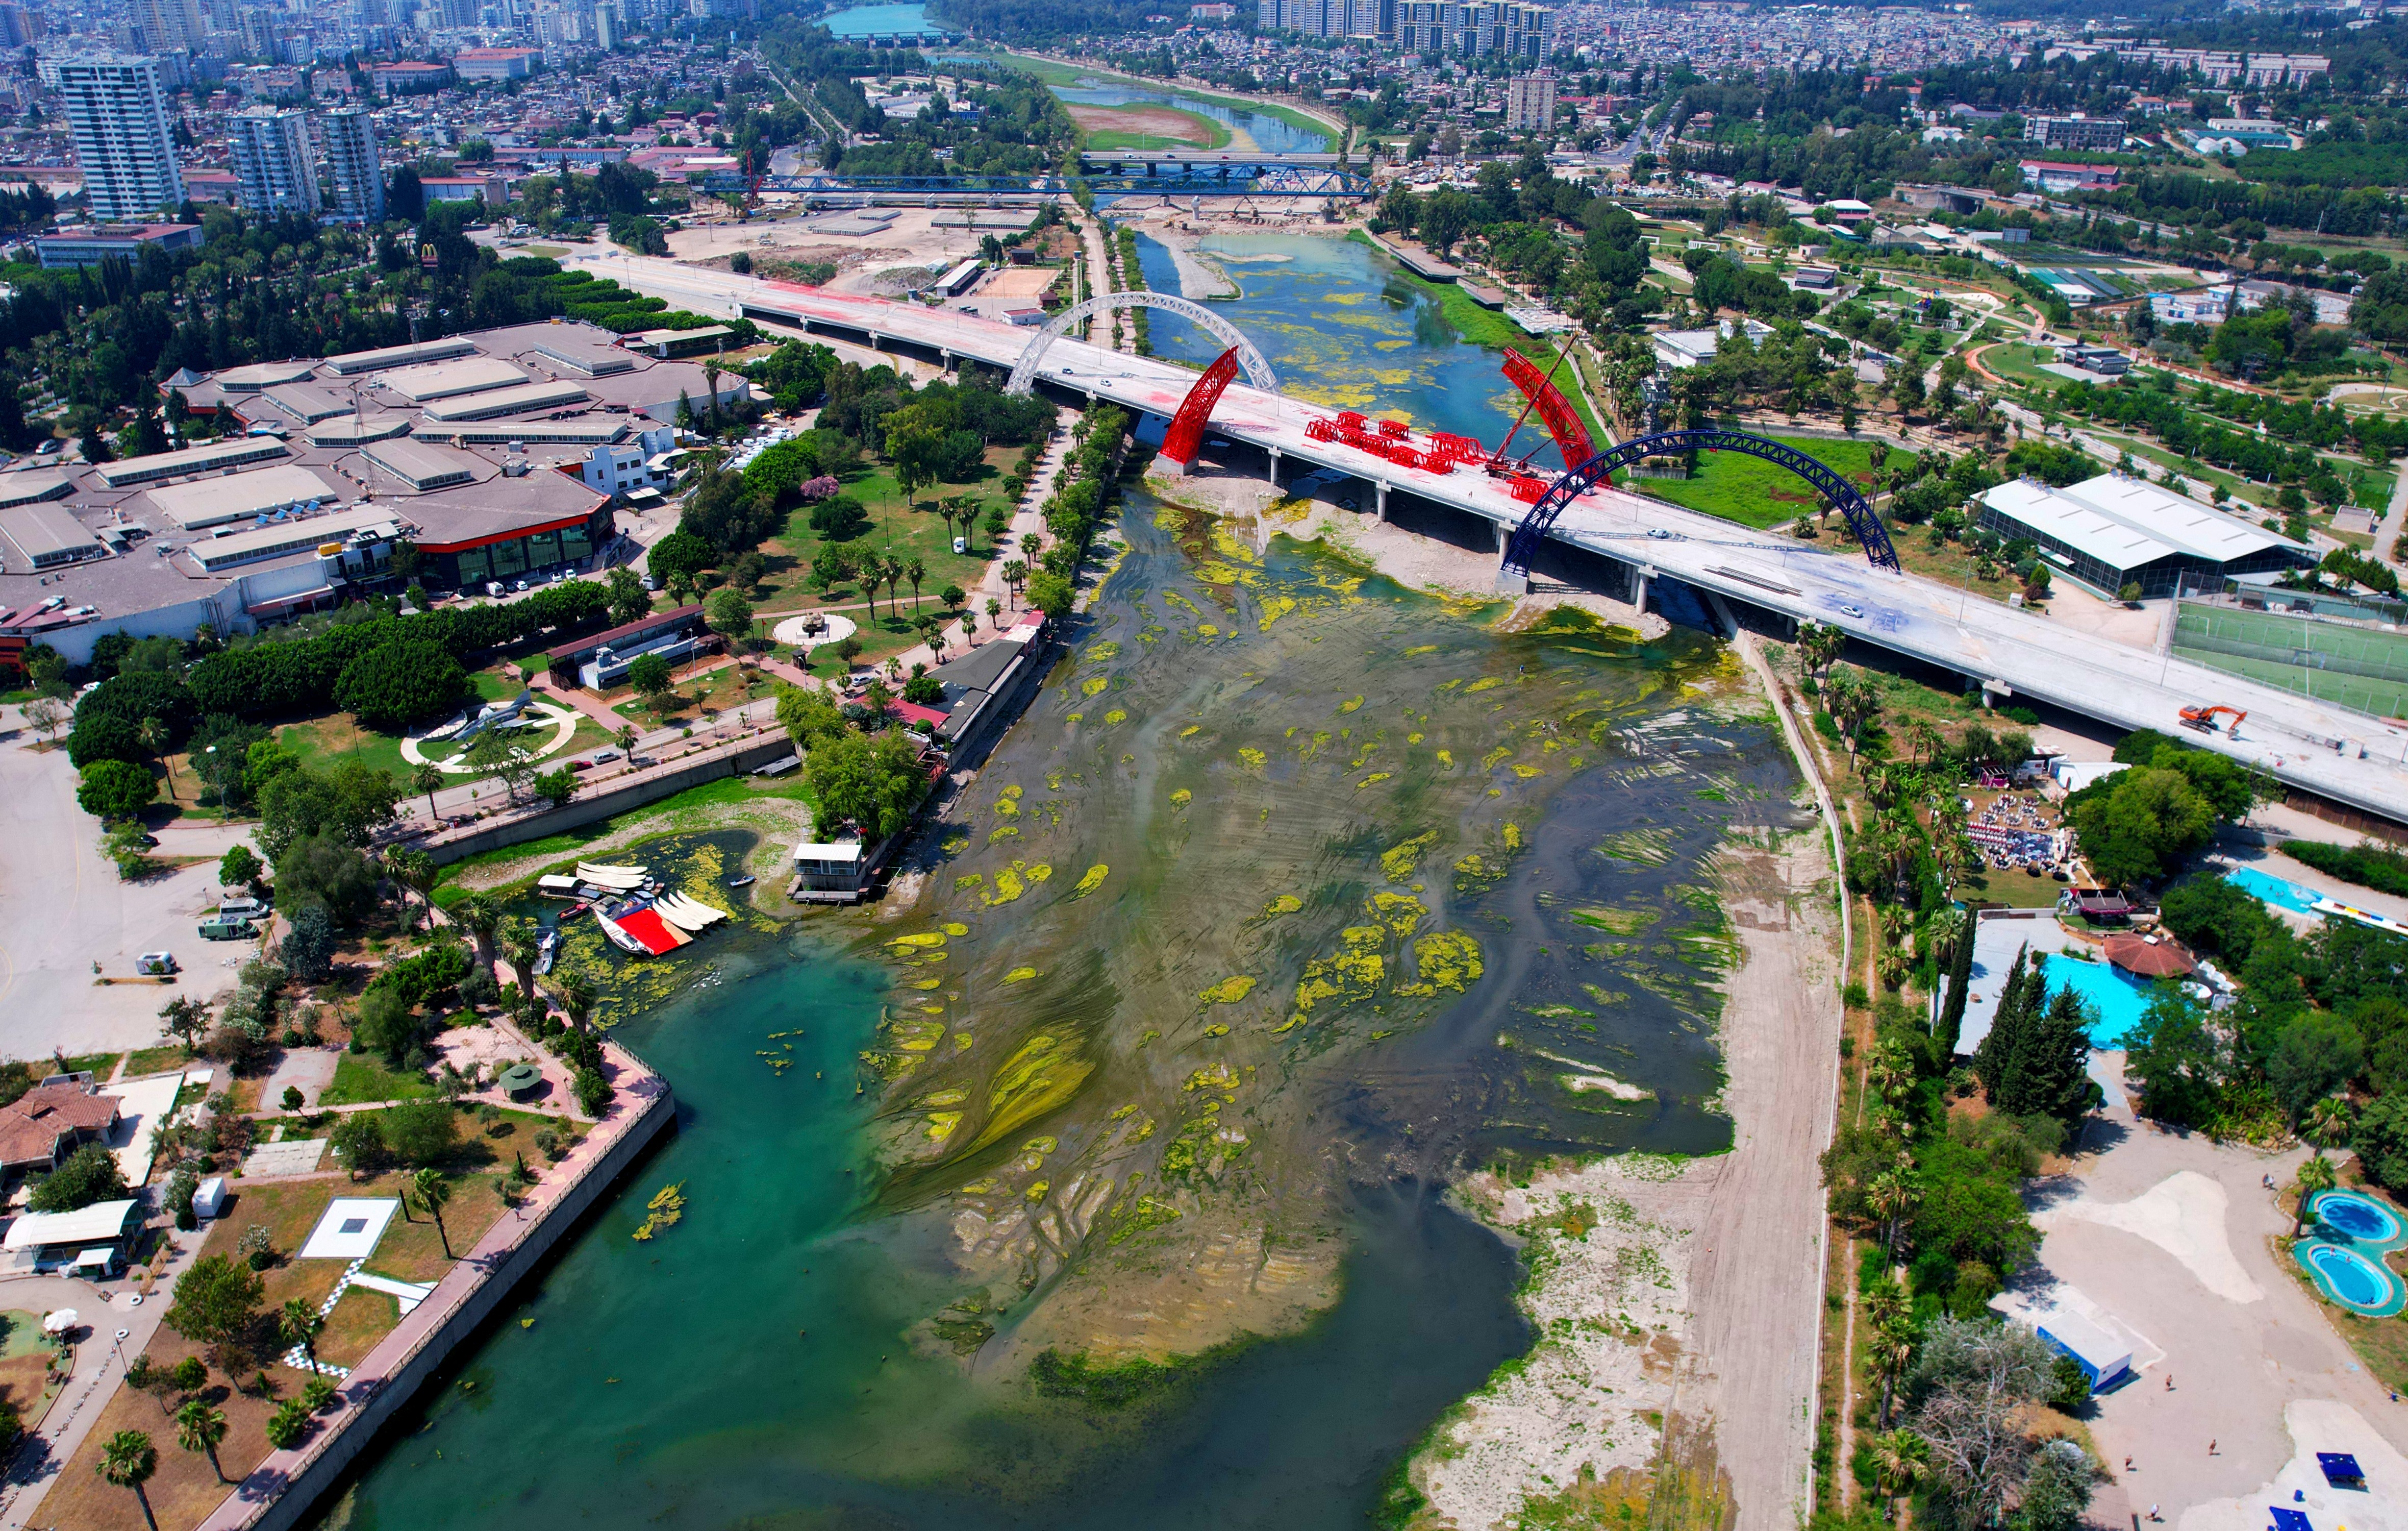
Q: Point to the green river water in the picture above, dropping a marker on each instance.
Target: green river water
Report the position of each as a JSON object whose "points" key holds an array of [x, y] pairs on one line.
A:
{"points": [[1294, 894]]}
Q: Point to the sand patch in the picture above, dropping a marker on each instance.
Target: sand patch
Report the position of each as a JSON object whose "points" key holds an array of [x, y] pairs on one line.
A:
{"points": [[1153, 121], [2183, 1215]]}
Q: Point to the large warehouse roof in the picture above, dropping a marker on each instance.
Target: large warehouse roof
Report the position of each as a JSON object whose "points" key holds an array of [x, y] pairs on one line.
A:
{"points": [[447, 379], [213, 502], [2126, 522]]}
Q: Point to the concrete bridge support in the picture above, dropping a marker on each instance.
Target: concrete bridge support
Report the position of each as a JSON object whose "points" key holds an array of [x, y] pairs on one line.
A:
{"points": [[1379, 500], [1275, 462]]}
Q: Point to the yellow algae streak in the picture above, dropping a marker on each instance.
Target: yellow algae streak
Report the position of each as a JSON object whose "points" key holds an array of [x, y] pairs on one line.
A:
{"points": [[1287, 904], [1228, 990], [1350, 704], [1093, 684], [1190, 730], [926, 938], [1032, 1082], [1252, 758], [1093, 880], [1420, 649], [1397, 861], [1182, 798], [1019, 976], [1116, 715], [941, 1124]]}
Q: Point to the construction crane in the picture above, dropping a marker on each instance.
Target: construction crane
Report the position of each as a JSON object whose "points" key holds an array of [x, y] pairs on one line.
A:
{"points": [[2203, 718]]}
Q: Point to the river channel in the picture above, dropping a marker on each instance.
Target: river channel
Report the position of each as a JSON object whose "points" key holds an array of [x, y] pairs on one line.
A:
{"points": [[1098, 1180]]}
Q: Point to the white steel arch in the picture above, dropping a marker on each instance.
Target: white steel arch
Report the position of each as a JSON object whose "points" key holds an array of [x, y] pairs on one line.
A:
{"points": [[1024, 371]]}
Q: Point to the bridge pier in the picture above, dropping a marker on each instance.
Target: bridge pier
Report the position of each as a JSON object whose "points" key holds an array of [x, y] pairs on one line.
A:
{"points": [[1380, 500], [1275, 462], [1504, 534]]}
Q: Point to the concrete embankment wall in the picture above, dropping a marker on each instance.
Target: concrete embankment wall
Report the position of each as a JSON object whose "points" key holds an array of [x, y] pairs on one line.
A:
{"points": [[351, 1433], [610, 801]]}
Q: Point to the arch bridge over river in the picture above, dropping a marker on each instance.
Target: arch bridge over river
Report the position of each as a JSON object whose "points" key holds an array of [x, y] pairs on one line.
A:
{"points": [[2346, 759]]}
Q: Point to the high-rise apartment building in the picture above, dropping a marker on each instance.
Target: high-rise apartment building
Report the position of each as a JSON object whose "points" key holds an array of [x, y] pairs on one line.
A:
{"points": [[273, 170], [116, 114], [1474, 28], [170, 25], [357, 175], [1531, 103], [19, 26], [608, 31]]}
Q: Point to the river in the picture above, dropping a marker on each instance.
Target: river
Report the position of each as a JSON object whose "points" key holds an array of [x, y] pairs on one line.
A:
{"points": [[1296, 893]]}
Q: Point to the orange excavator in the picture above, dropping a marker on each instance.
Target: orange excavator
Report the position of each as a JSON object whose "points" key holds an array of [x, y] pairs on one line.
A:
{"points": [[2204, 718]]}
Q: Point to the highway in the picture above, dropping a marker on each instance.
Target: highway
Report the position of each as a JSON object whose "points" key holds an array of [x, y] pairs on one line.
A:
{"points": [[2347, 756]]}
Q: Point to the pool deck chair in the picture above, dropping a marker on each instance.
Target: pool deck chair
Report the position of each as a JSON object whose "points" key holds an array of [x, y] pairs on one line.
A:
{"points": [[2341, 1468], [2291, 1520]]}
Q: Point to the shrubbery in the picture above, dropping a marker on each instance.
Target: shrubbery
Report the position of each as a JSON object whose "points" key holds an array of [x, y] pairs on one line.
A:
{"points": [[400, 684]]}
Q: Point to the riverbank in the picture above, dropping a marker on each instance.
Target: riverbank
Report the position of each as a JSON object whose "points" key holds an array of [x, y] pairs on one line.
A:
{"points": [[1054, 71]]}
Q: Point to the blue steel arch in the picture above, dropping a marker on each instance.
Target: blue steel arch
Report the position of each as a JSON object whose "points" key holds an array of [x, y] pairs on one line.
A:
{"points": [[1870, 532]]}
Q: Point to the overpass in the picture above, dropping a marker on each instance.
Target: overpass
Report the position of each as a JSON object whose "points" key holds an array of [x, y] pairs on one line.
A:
{"points": [[2348, 757]]}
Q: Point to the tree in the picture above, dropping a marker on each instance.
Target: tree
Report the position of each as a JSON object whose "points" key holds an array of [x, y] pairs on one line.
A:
{"points": [[2316, 1178], [593, 1091], [239, 867], [200, 1428], [127, 1459], [217, 1302], [186, 1021], [323, 869], [480, 916], [46, 716], [680, 556], [358, 1143], [421, 1132], [557, 787], [116, 790], [415, 871], [2313, 1056], [432, 1194], [1973, 1382], [871, 783], [308, 950], [522, 942], [2139, 825], [1900, 1460], [629, 600], [397, 685], [2177, 1061], [427, 777], [498, 755], [651, 677], [1050, 593], [914, 571], [729, 613], [87, 1176]]}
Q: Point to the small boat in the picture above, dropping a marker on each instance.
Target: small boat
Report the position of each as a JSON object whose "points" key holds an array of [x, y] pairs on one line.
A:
{"points": [[546, 949], [745, 881], [576, 909]]}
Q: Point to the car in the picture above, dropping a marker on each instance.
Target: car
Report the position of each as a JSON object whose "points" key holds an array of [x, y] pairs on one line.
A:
{"points": [[1857, 612], [50, 447], [580, 765], [156, 964], [148, 840], [1659, 534], [602, 756], [651, 583], [225, 928]]}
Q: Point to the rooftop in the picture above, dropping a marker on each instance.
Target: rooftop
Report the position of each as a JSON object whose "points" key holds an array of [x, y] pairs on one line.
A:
{"points": [[2126, 522], [448, 379], [213, 502]]}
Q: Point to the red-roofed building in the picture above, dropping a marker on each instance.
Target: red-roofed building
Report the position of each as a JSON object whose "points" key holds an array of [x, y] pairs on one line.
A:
{"points": [[41, 1127]]}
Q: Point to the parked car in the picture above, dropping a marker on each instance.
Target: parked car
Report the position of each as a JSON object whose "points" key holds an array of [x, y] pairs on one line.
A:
{"points": [[156, 964], [220, 928]]}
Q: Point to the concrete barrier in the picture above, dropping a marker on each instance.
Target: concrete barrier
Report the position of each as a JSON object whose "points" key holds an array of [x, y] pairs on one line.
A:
{"points": [[279, 1493], [648, 787]]}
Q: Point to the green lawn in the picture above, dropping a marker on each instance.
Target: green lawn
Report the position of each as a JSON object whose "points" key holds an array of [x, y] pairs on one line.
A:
{"points": [[360, 1079], [1754, 492], [338, 736], [693, 809], [894, 530]]}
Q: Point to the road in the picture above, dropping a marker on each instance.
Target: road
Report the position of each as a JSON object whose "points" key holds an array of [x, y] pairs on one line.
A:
{"points": [[2343, 756]]}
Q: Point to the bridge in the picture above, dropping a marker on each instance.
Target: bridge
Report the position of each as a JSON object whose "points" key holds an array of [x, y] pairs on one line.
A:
{"points": [[1107, 174], [2347, 758]]}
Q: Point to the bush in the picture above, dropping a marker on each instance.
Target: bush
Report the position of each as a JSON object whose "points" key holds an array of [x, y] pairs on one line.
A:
{"points": [[2378, 867], [2380, 1140], [116, 789], [593, 1093], [308, 950], [290, 1425], [105, 739], [400, 684], [421, 1132], [358, 1143], [839, 518], [322, 869], [89, 1175]]}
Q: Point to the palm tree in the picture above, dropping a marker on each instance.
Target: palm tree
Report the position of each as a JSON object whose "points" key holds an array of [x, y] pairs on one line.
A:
{"points": [[710, 376], [416, 870], [1901, 1459], [891, 571], [156, 737], [1889, 1196], [2316, 1178], [480, 916], [425, 777], [432, 1194], [576, 994], [1891, 1348], [1014, 573], [127, 1459], [199, 1428], [916, 571], [2327, 1121], [627, 737], [301, 1325], [522, 943]]}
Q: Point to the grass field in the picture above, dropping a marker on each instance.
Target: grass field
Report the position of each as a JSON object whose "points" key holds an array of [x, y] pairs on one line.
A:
{"points": [[1754, 492], [897, 530], [363, 1079], [696, 807], [1150, 126]]}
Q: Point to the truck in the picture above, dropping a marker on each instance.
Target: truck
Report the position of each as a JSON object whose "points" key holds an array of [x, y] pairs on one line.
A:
{"points": [[227, 928]]}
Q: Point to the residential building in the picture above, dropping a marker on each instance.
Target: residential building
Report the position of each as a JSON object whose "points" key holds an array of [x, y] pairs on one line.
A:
{"points": [[91, 245], [50, 1121], [2049, 176], [608, 31], [1217, 12], [20, 27], [411, 77], [1530, 102], [474, 64], [274, 168], [2075, 131], [117, 115], [2113, 531], [170, 25], [355, 174]]}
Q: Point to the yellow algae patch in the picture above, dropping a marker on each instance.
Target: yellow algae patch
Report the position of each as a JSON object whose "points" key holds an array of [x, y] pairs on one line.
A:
{"points": [[1399, 860], [1350, 704], [1093, 880], [1446, 759], [1172, 598], [1038, 871], [1219, 1077], [1019, 976], [1009, 886], [1275, 607], [1399, 912], [1182, 798], [1116, 715], [953, 1095], [1412, 737], [1008, 832], [1208, 629], [1037, 1191], [1191, 729], [1216, 1031], [1075, 718], [956, 928], [1489, 760], [1512, 835], [1228, 990], [1526, 771], [1485, 683], [1287, 904], [1372, 780], [955, 843], [1103, 651], [1252, 758], [1421, 649], [1447, 959], [928, 982], [1033, 1081], [973, 879], [962, 1041], [1041, 1145], [913, 1035], [1093, 684], [926, 938], [1213, 571], [941, 1124]]}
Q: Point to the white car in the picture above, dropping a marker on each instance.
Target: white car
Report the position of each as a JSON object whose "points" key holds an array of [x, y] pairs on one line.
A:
{"points": [[1857, 612]]}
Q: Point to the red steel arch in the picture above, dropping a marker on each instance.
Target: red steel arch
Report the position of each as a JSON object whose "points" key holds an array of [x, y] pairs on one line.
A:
{"points": [[1563, 422], [1185, 437]]}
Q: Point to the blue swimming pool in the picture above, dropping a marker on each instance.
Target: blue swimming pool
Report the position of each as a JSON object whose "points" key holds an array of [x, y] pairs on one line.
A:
{"points": [[2366, 1220], [2353, 1280], [2115, 1000], [2273, 891]]}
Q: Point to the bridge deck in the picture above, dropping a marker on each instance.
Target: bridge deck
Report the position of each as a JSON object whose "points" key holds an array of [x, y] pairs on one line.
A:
{"points": [[2343, 756]]}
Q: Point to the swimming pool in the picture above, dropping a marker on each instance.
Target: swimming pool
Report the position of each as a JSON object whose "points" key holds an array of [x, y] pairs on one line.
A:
{"points": [[2353, 1280], [2364, 1219], [2116, 1002], [2273, 891]]}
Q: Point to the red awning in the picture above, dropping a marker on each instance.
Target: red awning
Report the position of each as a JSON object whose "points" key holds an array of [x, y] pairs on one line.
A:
{"points": [[651, 930]]}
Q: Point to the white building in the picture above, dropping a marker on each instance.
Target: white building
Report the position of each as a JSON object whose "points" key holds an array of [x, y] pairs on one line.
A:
{"points": [[355, 176], [116, 114], [1689, 347], [1530, 102], [275, 171], [624, 469]]}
